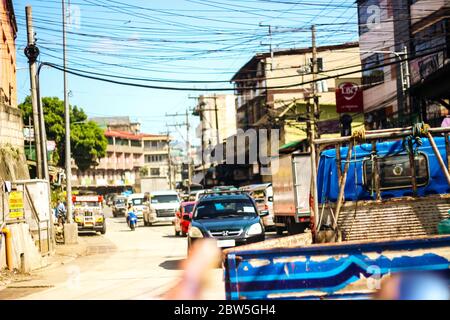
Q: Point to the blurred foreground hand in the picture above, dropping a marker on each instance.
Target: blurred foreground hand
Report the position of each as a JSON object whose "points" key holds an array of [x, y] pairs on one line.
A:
{"points": [[204, 257], [414, 286]]}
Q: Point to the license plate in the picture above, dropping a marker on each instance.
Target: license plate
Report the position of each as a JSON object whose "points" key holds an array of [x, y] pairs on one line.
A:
{"points": [[226, 243]]}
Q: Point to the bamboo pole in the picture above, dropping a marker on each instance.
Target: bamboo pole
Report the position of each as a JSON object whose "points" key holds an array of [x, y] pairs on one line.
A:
{"points": [[447, 150], [412, 166], [438, 156], [342, 183], [338, 161], [314, 184], [375, 173]]}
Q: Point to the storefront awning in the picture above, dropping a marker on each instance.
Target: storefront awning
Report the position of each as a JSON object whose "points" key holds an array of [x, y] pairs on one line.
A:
{"points": [[293, 146]]}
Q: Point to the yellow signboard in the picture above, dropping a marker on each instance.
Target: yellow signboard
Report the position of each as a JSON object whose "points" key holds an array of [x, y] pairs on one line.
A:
{"points": [[16, 205]]}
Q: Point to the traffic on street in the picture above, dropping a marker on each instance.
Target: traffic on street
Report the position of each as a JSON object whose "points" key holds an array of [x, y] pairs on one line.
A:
{"points": [[228, 150]]}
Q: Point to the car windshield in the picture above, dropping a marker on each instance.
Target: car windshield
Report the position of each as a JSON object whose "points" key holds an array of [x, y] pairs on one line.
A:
{"points": [[120, 201], [137, 201], [188, 208], [220, 209], [87, 204], [171, 198]]}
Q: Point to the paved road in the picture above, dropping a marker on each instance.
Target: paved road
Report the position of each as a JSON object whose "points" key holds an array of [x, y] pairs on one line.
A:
{"points": [[120, 265]]}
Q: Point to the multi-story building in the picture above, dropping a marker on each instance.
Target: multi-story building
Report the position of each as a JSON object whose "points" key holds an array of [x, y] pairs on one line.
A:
{"points": [[430, 67], [156, 157], [273, 92], [11, 125], [398, 94], [121, 166], [118, 124]]}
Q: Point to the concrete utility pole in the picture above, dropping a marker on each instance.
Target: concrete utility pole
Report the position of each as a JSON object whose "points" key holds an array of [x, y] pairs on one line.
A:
{"points": [[68, 152], [188, 148], [169, 160], [32, 52], [269, 44], [315, 71], [313, 136], [70, 228], [188, 144]]}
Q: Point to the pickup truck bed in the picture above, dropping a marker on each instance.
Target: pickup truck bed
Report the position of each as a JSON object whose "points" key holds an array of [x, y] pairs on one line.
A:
{"points": [[394, 218], [339, 270]]}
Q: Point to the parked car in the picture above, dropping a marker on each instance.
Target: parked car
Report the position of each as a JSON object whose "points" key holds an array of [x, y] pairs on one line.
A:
{"points": [[229, 217], [119, 206], [183, 218], [263, 196], [161, 207], [137, 201]]}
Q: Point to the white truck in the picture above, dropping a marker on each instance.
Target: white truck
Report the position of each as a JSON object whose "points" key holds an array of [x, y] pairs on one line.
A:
{"points": [[162, 207], [291, 192]]}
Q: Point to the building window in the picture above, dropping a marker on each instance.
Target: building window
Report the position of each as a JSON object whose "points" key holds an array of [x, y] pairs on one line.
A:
{"points": [[110, 141], [154, 172], [136, 143], [375, 75], [395, 172]]}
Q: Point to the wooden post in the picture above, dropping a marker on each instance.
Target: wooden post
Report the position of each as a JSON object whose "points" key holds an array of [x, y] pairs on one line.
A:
{"points": [[375, 173], [412, 165], [438, 156], [447, 149], [314, 184], [342, 184], [339, 161]]}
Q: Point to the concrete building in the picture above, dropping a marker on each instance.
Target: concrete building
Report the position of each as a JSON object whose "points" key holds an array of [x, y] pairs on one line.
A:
{"points": [[118, 124], [430, 70], [12, 159], [403, 93], [131, 157], [156, 159], [121, 166], [270, 94]]}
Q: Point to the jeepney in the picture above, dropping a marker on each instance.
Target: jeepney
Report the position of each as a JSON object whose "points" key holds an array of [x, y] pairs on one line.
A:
{"points": [[88, 213], [378, 199]]}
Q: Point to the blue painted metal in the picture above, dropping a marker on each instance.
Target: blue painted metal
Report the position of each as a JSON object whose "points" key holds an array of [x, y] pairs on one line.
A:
{"points": [[326, 269], [327, 177]]}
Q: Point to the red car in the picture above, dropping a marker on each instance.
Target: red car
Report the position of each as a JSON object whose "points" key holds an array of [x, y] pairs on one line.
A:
{"points": [[180, 223]]}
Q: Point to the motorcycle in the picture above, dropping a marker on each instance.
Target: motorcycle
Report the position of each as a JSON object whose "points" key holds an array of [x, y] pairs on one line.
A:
{"points": [[132, 220]]}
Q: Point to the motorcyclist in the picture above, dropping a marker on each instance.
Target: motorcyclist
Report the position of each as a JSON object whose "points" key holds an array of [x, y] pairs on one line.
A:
{"points": [[61, 212]]}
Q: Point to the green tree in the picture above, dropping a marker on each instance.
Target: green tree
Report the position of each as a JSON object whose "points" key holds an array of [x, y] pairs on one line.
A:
{"points": [[88, 141]]}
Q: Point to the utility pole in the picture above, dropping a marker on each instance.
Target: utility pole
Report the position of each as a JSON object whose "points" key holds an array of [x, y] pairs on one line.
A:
{"points": [[188, 148], [315, 71], [169, 160], [406, 80], [200, 110], [188, 144], [270, 43], [315, 112], [32, 52], [216, 112], [67, 122]]}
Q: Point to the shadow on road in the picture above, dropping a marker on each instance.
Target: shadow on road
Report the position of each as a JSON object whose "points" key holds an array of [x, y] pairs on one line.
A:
{"points": [[172, 264]]}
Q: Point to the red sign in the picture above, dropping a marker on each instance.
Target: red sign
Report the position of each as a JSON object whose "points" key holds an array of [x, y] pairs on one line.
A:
{"points": [[349, 97]]}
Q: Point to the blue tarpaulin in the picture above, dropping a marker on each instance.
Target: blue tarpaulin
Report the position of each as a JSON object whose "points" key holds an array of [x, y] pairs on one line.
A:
{"points": [[358, 188]]}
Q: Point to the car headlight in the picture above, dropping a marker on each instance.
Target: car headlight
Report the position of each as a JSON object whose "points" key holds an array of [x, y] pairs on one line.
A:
{"points": [[254, 229], [195, 232]]}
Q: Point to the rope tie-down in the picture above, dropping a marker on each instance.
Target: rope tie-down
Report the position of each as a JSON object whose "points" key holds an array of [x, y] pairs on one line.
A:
{"points": [[413, 142]]}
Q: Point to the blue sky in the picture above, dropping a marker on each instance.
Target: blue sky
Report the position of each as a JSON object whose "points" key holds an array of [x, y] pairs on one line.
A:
{"points": [[166, 41]]}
